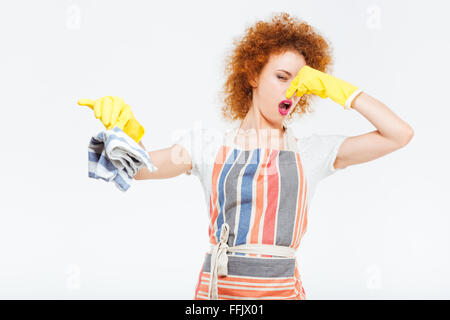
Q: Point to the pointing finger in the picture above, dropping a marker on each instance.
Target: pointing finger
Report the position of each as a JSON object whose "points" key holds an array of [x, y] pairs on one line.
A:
{"points": [[86, 102]]}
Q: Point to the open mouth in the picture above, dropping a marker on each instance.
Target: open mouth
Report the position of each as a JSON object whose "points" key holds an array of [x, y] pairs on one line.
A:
{"points": [[284, 107]]}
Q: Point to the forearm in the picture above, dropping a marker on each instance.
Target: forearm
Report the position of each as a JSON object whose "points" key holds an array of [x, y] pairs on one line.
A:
{"points": [[384, 119], [170, 162]]}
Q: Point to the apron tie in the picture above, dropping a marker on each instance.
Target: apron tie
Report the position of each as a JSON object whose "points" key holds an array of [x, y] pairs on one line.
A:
{"points": [[219, 258], [219, 261]]}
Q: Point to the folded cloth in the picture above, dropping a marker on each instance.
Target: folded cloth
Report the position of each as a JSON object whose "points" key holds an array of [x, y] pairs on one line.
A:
{"points": [[114, 156]]}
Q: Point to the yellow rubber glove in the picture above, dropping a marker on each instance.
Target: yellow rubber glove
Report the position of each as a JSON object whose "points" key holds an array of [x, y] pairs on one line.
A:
{"points": [[113, 111], [309, 80]]}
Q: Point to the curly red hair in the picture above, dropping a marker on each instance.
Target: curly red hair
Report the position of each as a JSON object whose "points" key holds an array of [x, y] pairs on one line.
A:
{"points": [[253, 50]]}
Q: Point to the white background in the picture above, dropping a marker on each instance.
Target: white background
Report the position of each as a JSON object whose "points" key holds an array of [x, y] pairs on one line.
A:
{"points": [[378, 230]]}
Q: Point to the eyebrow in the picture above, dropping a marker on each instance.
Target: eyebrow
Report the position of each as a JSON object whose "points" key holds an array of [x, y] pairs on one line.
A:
{"points": [[285, 71]]}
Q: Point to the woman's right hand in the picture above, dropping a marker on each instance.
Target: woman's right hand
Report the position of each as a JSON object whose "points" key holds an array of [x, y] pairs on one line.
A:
{"points": [[113, 111]]}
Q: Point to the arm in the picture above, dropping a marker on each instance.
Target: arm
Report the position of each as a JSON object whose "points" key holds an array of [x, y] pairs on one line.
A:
{"points": [[171, 162], [392, 134]]}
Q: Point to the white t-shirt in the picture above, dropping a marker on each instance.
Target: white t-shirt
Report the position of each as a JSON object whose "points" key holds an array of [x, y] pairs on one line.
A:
{"points": [[317, 156]]}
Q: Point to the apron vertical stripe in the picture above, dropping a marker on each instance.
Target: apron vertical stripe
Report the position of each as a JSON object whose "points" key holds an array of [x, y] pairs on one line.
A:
{"points": [[221, 190], [214, 206], [301, 200], [272, 199], [299, 205], [260, 196], [233, 194], [288, 171], [247, 198]]}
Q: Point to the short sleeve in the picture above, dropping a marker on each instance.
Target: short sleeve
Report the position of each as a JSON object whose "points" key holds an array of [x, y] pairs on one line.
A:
{"points": [[319, 152], [202, 145], [191, 141]]}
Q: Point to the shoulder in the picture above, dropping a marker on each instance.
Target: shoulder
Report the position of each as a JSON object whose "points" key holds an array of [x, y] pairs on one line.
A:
{"points": [[201, 143]]}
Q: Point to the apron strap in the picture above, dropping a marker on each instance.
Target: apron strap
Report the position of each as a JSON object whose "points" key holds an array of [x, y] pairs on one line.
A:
{"points": [[288, 138]]}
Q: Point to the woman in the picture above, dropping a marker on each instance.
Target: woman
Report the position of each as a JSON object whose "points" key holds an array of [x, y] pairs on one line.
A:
{"points": [[258, 178]]}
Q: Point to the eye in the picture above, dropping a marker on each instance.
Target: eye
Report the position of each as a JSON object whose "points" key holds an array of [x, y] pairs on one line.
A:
{"points": [[280, 77]]}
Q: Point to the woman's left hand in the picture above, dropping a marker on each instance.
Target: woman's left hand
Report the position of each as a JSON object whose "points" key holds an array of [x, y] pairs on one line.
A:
{"points": [[309, 80]]}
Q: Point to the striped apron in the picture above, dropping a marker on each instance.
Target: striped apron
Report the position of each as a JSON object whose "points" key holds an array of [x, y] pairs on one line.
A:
{"points": [[257, 217]]}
